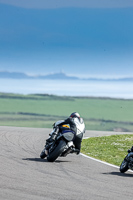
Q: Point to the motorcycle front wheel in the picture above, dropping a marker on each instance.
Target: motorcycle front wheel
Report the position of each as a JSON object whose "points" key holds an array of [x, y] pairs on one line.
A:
{"points": [[43, 155], [124, 166], [52, 156]]}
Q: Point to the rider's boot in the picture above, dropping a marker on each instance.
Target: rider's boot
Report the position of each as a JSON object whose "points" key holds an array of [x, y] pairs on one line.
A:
{"points": [[77, 151], [52, 137]]}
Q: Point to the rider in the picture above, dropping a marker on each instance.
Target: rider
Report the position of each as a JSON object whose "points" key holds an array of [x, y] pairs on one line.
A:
{"points": [[76, 125]]}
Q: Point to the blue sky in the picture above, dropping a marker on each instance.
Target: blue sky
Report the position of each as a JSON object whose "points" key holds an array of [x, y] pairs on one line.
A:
{"points": [[79, 37]]}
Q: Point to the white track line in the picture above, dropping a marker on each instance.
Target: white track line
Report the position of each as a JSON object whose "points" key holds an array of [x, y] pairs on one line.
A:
{"points": [[98, 160], [105, 163]]}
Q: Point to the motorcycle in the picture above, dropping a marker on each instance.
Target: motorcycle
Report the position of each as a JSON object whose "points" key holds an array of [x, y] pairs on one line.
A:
{"points": [[62, 145], [127, 163]]}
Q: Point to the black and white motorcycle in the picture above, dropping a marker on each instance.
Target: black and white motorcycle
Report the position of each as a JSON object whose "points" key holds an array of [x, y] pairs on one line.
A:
{"points": [[62, 145], [127, 163]]}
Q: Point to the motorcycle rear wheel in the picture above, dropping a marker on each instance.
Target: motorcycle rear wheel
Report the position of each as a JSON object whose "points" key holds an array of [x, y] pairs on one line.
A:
{"points": [[124, 166], [57, 151]]}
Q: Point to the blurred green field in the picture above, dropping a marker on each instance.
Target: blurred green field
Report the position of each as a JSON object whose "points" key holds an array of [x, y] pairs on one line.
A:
{"points": [[43, 110]]}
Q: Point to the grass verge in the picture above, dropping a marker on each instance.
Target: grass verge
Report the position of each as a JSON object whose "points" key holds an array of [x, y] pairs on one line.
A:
{"points": [[111, 149]]}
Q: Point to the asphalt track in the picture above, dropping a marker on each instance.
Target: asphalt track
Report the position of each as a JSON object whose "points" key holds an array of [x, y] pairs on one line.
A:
{"points": [[24, 176]]}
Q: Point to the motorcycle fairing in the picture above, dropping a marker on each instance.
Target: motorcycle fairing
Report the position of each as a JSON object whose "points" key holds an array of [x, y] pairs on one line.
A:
{"points": [[129, 159], [68, 135], [130, 154]]}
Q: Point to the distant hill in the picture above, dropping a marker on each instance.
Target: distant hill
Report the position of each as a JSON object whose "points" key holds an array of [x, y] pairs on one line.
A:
{"points": [[57, 76], [54, 76], [13, 75], [17, 75]]}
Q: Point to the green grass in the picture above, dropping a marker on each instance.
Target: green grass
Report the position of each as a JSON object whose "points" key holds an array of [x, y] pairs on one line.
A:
{"points": [[111, 149], [43, 110]]}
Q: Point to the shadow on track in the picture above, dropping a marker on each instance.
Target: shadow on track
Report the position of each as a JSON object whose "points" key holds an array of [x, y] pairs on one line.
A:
{"points": [[43, 160], [120, 174], [35, 159]]}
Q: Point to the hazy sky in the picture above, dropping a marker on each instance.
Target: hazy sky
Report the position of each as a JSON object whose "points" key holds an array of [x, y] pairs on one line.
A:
{"points": [[79, 37]]}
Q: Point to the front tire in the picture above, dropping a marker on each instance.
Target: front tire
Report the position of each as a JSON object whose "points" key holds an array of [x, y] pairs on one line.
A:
{"points": [[57, 151], [43, 155], [124, 166]]}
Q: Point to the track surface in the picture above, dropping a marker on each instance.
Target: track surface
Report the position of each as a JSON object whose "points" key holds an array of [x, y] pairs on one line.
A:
{"points": [[23, 175]]}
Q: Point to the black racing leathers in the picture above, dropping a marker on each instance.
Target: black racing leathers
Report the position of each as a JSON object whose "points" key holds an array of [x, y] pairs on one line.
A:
{"points": [[76, 125]]}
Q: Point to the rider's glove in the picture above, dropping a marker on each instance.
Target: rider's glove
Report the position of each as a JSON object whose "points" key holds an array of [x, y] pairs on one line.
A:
{"points": [[132, 148], [54, 125]]}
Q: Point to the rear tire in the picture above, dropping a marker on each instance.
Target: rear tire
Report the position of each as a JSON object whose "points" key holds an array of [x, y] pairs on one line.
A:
{"points": [[57, 151], [124, 166]]}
